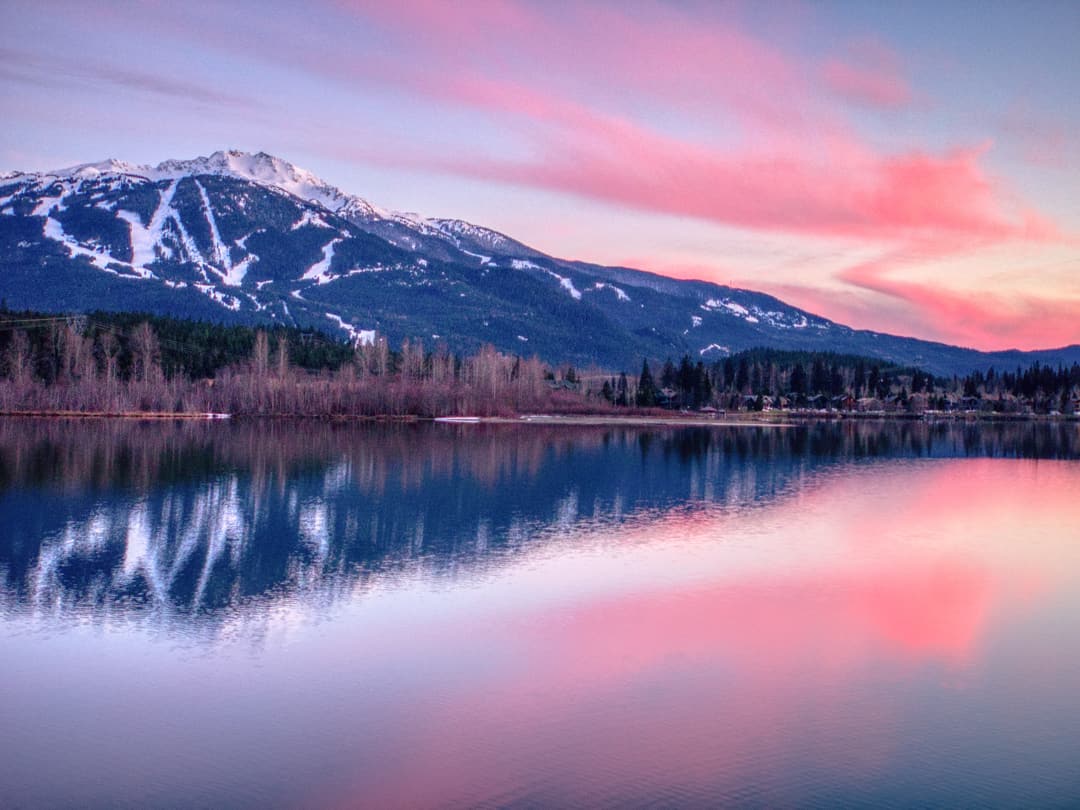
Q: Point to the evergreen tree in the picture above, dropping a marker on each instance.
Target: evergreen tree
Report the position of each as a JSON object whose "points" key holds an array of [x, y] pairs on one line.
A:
{"points": [[836, 381], [646, 393], [702, 394], [798, 381], [686, 378], [859, 383], [667, 376], [606, 392], [729, 372], [918, 382], [819, 377], [742, 376]]}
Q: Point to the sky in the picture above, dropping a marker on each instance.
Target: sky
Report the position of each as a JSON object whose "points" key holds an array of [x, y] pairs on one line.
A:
{"points": [[906, 167]]}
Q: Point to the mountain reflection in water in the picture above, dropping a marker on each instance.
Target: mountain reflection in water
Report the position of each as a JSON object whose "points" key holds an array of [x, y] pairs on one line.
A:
{"points": [[103, 518], [276, 614]]}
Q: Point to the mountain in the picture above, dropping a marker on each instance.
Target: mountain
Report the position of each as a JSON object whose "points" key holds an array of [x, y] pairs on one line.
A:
{"points": [[251, 238]]}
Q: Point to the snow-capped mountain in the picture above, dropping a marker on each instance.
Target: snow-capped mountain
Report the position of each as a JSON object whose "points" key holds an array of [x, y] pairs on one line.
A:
{"points": [[253, 238], [259, 168]]}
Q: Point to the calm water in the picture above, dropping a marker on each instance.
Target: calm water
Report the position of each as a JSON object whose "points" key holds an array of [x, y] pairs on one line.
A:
{"points": [[303, 615]]}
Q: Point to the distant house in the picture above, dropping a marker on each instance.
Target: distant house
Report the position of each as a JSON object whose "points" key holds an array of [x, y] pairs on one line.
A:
{"points": [[564, 385], [844, 402], [918, 403], [667, 398]]}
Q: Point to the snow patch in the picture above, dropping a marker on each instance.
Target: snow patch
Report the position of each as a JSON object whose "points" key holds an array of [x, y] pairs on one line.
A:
{"points": [[100, 259], [228, 301], [46, 204], [567, 285], [348, 328], [622, 296], [456, 230], [320, 271], [234, 276], [221, 251], [310, 218], [147, 242], [483, 259]]}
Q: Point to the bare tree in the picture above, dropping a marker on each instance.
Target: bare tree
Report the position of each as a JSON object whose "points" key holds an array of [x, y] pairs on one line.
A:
{"points": [[18, 359], [260, 356], [147, 353], [282, 357]]}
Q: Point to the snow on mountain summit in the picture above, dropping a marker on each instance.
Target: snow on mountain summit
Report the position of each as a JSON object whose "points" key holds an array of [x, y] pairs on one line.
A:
{"points": [[108, 166], [271, 171], [259, 167]]}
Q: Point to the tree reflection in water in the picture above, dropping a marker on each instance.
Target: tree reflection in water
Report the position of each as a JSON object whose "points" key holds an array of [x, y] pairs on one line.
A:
{"points": [[190, 522]]}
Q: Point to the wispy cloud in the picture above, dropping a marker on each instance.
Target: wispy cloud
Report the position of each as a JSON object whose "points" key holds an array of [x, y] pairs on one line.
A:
{"points": [[869, 74], [681, 111], [62, 72]]}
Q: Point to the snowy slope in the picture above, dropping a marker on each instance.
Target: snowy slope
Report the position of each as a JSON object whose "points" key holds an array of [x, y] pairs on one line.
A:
{"points": [[253, 238]]}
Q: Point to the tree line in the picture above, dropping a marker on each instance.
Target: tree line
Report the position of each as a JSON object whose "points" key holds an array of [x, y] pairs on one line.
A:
{"points": [[129, 363], [123, 362], [760, 379]]}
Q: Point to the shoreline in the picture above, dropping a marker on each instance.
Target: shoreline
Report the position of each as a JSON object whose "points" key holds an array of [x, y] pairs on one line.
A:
{"points": [[762, 419]]}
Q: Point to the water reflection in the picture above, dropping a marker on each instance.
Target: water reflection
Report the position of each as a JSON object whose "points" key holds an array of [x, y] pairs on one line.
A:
{"points": [[110, 518], [282, 615], [878, 641]]}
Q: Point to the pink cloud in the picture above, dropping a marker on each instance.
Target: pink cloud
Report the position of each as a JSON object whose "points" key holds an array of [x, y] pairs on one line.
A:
{"points": [[842, 189], [625, 52], [989, 321], [788, 160], [869, 75], [796, 166], [791, 163], [870, 299], [648, 108]]}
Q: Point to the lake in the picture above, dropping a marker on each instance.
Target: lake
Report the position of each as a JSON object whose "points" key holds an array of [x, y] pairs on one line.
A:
{"points": [[291, 614]]}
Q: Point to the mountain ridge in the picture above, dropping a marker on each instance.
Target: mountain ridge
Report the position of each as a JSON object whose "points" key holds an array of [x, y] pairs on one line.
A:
{"points": [[250, 237]]}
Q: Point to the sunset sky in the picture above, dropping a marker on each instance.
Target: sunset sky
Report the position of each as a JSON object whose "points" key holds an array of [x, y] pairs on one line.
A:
{"points": [[907, 167]]}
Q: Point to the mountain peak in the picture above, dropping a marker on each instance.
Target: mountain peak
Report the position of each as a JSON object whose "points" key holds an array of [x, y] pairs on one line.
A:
{"points": [[102, 167], [258, 167]]}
